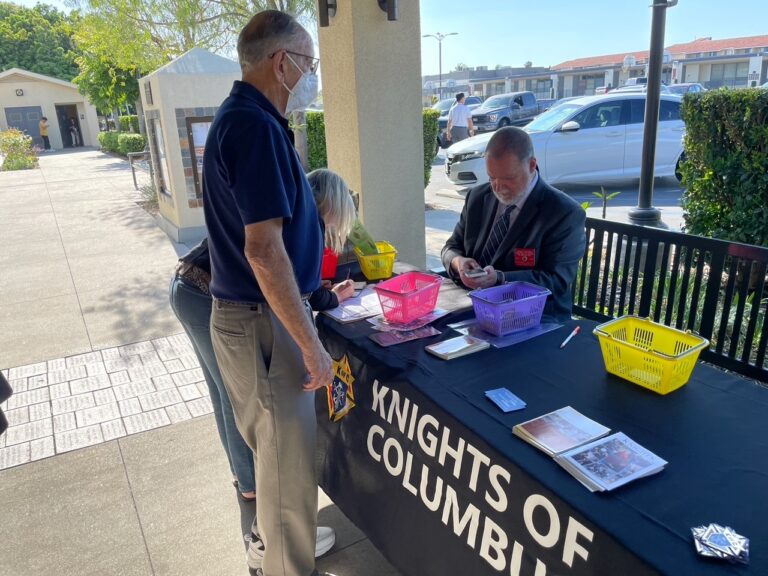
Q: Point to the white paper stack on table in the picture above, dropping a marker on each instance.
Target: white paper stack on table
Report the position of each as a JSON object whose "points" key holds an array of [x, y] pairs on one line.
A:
{"points": [[610, 462], [456, 347], [560, 430], [360, 307]]}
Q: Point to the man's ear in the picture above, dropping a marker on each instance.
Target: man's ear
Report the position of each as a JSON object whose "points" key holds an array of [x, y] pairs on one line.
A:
{"points": [[532, 163], [278, 65]]}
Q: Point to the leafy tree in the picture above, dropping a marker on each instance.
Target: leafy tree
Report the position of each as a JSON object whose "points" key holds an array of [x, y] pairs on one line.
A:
{"points": [[36, 39], [460, 67], [146, 34], [528, 64]]}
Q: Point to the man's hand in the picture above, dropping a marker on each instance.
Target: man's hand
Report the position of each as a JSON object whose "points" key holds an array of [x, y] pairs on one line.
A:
{"points": [[485, 281], [319, 368], [344, 290], [462, 264]]}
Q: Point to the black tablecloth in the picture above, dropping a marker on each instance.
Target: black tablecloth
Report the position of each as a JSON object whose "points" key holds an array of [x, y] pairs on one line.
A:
{"points": [[713, 432]]}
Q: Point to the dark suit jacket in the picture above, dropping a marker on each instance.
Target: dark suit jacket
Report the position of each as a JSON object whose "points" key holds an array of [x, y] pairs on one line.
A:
{"points": [[550, 222]]}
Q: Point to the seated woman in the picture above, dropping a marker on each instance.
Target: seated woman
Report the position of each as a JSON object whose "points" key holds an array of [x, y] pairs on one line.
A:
{"points": [[337, 215]]}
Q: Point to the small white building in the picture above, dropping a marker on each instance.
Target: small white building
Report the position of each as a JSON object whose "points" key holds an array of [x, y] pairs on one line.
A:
{"points": [[180, 100], [25, 97]]}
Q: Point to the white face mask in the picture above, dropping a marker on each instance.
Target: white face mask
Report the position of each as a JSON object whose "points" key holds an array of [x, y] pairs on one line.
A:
{"points": [[304, 91]]}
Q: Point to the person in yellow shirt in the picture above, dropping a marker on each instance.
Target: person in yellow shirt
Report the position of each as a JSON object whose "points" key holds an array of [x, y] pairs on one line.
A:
{"points": [[44, 132]]}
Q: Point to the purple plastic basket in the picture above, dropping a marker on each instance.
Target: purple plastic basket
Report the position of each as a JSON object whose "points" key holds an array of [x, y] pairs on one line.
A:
{"points": [[509, 308]]}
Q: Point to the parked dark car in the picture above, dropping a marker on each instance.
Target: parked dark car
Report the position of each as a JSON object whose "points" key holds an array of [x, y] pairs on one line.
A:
{"points": [[685, 88], [445, 106], [513, 109]]}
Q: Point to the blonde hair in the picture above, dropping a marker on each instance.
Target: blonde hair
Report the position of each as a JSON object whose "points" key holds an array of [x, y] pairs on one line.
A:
{"points": [[335, 206]]}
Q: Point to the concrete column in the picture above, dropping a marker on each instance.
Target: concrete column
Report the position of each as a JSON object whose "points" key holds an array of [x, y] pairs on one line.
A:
{"points": [[371, 73]]}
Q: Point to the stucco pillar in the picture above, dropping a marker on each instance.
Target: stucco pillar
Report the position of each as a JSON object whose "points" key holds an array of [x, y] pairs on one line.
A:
{"points": [[371, 74]]}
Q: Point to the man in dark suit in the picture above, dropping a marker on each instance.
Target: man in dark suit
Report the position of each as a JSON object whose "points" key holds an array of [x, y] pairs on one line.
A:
{"points": [[517, 227]]}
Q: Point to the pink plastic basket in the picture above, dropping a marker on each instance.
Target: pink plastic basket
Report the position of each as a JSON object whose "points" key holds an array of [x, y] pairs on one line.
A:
{"points": [[408, 296], [509, 308]]}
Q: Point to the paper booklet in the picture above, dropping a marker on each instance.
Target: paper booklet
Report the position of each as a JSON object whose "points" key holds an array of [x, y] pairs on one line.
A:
{"points": [[560, 430], [360, 307], [456, 347], [610, 462]]}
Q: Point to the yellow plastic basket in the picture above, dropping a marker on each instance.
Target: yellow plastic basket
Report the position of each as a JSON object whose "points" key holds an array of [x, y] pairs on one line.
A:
{"points": [[652, 355], [377, 266]]}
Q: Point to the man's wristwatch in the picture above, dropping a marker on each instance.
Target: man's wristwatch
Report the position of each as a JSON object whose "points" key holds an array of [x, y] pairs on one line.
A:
{"points": [[500, 278]]}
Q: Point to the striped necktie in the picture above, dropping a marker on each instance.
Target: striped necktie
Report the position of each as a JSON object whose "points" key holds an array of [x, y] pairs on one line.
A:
{"points": [[496, 237]]}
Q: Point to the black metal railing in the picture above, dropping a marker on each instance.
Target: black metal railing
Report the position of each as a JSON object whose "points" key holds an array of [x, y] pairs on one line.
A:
{"points": [[712, 287]]}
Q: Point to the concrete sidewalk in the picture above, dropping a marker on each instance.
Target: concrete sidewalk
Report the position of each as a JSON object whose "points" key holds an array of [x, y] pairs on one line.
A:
{"points": [[112, 464], [84, 267]]}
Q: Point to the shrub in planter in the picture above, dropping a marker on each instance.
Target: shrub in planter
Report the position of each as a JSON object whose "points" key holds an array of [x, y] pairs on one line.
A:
{"points": [[318, 157], [430, 129], [725, 172], [129, 123], [16, 148], [108, 141], [130, 143]]}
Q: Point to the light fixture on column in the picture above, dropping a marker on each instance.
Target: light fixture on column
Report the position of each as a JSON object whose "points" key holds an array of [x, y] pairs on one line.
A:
{"points": [[391, 8], [326, 9]]}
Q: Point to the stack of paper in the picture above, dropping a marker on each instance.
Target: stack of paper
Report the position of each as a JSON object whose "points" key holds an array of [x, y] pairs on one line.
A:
{"points": [[560, 430], [360, 307], [456, 347], [610, 462]]}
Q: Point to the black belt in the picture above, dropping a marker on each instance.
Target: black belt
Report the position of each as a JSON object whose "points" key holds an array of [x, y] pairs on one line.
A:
{"points": [[253, 304]]}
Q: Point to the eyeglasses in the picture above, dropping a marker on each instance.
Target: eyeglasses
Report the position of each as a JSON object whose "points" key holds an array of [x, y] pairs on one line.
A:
{"points": [[315, 62]]}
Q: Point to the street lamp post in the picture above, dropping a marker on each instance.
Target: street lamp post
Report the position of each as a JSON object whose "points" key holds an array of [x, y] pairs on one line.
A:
{"points": [[440, 37], [645, 213]]}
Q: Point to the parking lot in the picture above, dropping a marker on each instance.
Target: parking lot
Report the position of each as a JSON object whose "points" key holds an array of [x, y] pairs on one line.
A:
{"points": [[444, 201]]}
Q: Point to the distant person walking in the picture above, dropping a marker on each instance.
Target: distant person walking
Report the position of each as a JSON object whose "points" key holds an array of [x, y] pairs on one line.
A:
{"points": [[74, 133], [460, 124], [43, 125]]}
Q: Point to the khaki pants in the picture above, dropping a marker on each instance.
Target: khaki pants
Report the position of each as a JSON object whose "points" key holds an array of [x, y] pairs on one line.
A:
{"points": [[263, 372]]}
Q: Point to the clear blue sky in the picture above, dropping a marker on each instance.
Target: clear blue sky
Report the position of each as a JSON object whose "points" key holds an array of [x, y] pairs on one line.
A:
{"points": [[510, 32]]}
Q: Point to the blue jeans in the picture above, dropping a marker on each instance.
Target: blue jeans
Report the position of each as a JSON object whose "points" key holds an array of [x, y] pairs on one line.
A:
{"points": [[193, 309]]}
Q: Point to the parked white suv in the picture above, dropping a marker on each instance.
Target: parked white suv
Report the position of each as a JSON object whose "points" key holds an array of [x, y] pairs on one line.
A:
{"points": [[593, 139]]}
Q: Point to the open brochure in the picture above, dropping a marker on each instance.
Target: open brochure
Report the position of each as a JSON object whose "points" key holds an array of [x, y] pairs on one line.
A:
{"points": [[360, 307], [560, 430], [610, 462]]}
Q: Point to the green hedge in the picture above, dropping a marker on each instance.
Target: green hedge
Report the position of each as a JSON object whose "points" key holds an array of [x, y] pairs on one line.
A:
{"points": [[130, 143], [725, 172], [318, 158], [430, 137], [121, 142], [17, 149], [108, 141], [129, 123]]}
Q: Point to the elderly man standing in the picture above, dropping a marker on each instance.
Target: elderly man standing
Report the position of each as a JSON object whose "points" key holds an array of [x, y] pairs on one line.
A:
{"points": [[517, 227], [266, 248]]}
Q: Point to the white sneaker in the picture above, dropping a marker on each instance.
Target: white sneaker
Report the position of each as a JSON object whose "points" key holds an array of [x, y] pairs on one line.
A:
{"points": [[326, 538]]}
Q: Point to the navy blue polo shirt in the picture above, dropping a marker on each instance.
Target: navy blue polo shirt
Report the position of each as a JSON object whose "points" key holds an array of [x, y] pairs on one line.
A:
{"points": [[252, 173]]}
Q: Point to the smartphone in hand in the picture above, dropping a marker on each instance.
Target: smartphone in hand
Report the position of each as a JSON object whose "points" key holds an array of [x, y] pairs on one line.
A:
{"points": [[476, 273]]}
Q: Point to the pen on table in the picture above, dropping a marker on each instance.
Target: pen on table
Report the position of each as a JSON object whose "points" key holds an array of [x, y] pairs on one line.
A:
{"points": [[571, 335], [349, 270]]}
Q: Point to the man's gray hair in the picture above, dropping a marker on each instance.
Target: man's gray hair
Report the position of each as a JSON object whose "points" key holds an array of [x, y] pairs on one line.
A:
{"points": [[266, 33], [510, 140]]}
